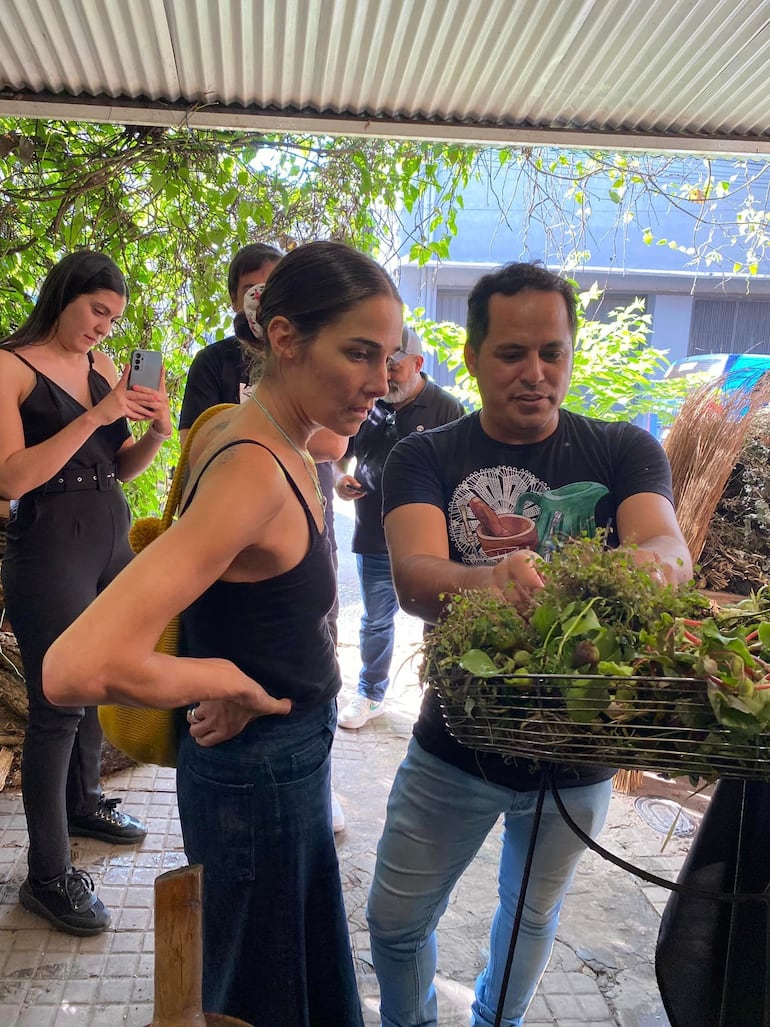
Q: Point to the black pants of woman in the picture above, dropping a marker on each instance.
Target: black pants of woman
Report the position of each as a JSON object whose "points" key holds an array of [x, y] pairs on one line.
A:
{"points": [[63, 549]]}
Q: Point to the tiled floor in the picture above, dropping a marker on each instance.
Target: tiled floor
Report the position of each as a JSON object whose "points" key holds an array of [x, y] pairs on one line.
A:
{"points": [[600, 973], [51, 979]]}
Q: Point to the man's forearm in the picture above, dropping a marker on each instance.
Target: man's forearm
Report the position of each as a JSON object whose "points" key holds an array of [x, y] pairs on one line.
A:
{"points": [[424, 583]]}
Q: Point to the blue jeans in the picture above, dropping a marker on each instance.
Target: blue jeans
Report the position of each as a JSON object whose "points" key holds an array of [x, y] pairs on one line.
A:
{"points": [[256, 812], [377, 633], [437, 819]]}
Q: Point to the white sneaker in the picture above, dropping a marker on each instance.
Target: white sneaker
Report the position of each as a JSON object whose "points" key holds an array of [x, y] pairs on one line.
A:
{"points": [[338, 816], [358, 711]]}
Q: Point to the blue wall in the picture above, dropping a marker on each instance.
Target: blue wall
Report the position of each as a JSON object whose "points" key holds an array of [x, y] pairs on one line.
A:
{"points": [[485, 234], [495, 226]]}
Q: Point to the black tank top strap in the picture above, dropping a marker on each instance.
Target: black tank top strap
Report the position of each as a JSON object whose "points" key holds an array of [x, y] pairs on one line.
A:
{"points": [[21, 358], [32, 368], [253, 442]]}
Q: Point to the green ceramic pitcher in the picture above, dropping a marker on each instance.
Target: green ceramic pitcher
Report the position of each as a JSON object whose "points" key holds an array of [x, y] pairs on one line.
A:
{"points": [[566, 511]]}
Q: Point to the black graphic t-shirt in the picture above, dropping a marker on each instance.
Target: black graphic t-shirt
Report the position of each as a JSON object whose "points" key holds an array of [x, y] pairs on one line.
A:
{"points": [[498, 498], [372, 444]]}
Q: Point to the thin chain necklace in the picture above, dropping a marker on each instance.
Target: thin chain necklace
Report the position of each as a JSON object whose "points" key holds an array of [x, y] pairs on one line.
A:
{"points": [[306, 459]]}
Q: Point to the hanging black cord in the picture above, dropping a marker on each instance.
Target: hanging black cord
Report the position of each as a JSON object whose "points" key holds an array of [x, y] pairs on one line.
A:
{"points": [[683, 889], [522, 895], [547, 781], [724, 1011]]}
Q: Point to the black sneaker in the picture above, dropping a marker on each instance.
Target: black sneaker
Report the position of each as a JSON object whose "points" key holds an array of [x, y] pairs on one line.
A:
{"points": [[108, 825], [68, 901]]}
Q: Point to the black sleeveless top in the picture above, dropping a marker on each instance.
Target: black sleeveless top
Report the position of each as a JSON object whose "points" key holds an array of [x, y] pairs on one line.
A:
{"points": [[49, 408], [275, 631]]}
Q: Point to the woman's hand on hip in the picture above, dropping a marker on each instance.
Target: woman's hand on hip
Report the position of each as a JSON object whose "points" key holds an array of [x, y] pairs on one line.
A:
{"points": [[217, 720]]}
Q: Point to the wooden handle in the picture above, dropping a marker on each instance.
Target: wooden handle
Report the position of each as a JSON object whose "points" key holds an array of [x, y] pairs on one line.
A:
{"points": [[178, 949]]}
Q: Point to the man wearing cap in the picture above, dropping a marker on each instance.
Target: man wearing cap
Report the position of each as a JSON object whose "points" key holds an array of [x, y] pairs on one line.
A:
{"points": [[413, 403]]}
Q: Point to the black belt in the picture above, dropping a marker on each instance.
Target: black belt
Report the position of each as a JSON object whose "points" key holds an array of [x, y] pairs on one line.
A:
{"points": [[101, 476]]}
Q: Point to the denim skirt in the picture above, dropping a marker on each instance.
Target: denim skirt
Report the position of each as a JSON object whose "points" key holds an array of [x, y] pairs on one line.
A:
{"points": [[256, 813]]}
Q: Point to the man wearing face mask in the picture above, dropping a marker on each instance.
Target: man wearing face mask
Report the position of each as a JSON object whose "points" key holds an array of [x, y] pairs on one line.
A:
{"points": [[413, 403]]}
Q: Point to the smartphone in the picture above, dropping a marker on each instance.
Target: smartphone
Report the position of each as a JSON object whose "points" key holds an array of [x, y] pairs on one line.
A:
{"points": [[146, 368]]}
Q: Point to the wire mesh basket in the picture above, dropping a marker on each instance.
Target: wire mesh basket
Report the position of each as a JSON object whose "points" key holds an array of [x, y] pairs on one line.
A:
{"points": [[665, 725]]}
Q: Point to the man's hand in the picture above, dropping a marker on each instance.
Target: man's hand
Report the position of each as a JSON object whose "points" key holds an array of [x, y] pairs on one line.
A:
{"points": [[347, 487], [517, 578], [658, 568], [648, 530]]}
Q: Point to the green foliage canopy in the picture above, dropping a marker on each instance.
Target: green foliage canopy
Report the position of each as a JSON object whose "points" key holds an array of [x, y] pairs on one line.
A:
{"points": [[171, 206]]}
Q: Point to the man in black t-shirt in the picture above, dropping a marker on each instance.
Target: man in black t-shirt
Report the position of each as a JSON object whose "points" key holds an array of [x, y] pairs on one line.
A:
{"points": [[219, 373], [477, 505], [413, 404]]}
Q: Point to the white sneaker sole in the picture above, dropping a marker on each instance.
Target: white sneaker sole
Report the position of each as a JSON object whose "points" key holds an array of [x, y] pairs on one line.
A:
{"points": [[354, 725]]}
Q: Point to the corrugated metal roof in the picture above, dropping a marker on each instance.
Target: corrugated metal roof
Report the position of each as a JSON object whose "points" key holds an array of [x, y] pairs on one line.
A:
{"points": [[683, 73]]}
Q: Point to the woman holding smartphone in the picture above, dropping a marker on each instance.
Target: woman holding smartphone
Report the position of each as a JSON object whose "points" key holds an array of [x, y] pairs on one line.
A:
{"points": [[64, 447], [249, 564]]}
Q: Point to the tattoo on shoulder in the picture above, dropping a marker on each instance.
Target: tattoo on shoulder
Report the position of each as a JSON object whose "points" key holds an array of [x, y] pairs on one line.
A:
{"points": [[226, 455]]}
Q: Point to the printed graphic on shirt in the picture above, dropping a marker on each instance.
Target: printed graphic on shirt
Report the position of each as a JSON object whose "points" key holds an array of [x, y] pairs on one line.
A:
{"points": [[497, 510]]}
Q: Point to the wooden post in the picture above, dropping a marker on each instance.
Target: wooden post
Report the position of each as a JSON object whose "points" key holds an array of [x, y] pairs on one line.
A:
{"points": [[178, 949]]}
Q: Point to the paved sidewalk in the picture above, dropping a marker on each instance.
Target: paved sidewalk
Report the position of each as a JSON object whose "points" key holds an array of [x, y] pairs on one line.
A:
{"points": [[601, 972]]}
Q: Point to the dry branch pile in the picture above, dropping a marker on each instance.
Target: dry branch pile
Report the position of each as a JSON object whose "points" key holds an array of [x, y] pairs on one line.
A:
{"points": [[13, 709], [736, 552], [13, 695]]}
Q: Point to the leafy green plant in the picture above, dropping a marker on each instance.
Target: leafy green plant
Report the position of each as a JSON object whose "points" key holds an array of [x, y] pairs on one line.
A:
{"points": [[172, 206], [611, 668]]}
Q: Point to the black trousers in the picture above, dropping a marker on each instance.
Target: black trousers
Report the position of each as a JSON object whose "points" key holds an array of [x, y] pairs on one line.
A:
{"points": [[62, 551]]}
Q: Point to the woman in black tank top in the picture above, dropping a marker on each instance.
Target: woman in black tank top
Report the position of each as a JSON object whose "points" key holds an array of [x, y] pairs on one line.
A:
{"points": [[249, 564], [64, 445]]}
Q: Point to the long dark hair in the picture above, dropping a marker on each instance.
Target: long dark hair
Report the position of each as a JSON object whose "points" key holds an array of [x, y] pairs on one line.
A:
{"points": [[313, 286], [84, 271]]}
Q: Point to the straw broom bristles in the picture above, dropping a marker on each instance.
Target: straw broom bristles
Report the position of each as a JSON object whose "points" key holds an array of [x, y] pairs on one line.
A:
{"points": [[627, 781], [702, 448]]}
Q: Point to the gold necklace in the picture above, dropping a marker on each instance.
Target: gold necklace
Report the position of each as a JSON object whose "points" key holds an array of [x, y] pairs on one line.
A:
{"points": [[306, 459]]}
